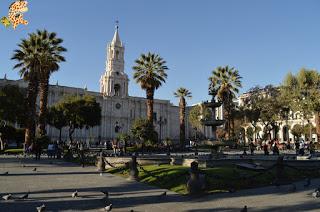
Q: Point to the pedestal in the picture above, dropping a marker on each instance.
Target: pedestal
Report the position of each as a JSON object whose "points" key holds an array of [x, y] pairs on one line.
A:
{"points": [[196, 183], [134, 173], [101, 164]]}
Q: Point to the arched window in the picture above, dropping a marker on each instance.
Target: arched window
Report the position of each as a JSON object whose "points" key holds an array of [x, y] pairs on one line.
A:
{"points": [[117, 128], [117, 90], [117, 54], [285, 133]]}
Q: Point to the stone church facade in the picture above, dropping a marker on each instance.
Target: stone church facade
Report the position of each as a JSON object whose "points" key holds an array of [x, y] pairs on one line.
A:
{"points": [[119, 110]]}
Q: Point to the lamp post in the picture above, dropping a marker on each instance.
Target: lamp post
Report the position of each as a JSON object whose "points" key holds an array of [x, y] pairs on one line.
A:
{"points": [[310, 131], [115, 144], [117, 127], [286, 113], [195, 142], [162, 121]]}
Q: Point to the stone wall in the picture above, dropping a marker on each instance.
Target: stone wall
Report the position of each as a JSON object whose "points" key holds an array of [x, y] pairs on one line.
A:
{"points": [[210, 163]]}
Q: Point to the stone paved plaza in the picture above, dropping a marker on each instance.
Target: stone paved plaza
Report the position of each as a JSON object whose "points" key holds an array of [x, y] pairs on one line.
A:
{"points": [[54, 181]]}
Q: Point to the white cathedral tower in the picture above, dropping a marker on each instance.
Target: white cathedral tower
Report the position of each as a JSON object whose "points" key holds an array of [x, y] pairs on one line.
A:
{"points": [[114, 82]]}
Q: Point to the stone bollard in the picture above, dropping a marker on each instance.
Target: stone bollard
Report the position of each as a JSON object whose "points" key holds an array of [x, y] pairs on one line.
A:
{"points": [[101, 164], [173, 161], [196, 182], [134, 173], [279, 170]]}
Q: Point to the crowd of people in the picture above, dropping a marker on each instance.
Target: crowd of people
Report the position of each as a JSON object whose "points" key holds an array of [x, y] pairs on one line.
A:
{"points": [[116, 145], [274, 146], [54, 149]]}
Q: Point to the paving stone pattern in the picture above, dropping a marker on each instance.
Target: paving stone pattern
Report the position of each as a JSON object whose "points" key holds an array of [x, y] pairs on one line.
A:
{"points": [[55, 181]]}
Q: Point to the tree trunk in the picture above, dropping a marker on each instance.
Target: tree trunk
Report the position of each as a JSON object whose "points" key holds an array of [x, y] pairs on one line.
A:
{"points": [[43, 94], [254, 133], [227, 124], [182, 113], [318, 125], [60, 131], [31, 109], [142, 148], [232, 127], [150, 94], [1, 144], [71, 131], [229, 120]]}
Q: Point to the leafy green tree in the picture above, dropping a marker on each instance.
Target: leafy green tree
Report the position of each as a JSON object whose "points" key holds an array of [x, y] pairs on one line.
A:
{"points": [[144, 131], [12, 110], [269, 116], [263, 105], [182, 93], [225, 83], [297, 130], [308, 130], [91, 111], [57, 119], [6, 132], [221, 134], [250, 133], [250, 112], [13, 102], [49, 63], [80, 112], [303, 95], [195, 116], [150, 73], [125, 137]]}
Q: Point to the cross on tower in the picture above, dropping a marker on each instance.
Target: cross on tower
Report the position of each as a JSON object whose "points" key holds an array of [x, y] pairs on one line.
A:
{"points": [[117, 24]]}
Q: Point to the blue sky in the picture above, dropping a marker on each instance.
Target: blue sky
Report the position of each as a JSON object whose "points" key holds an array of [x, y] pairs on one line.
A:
{"points": [[262, 39]]}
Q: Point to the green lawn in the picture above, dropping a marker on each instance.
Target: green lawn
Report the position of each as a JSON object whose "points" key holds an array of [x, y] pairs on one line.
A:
{"points": [[13, 151], [219, 179]]}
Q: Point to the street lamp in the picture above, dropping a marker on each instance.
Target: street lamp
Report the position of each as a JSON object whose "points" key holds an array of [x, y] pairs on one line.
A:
{"points": [[195, 142], [162, 121], [310, 131], [286, 111]]}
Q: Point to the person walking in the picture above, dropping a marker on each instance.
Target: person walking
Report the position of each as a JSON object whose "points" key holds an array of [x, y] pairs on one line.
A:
{"points": [[296, 144], [114, 146], [252, 147], [37, 150], [55, 149], [312, 148], [301, 147], [265, 148], [81, 151], [275, 149], [50, 150]]}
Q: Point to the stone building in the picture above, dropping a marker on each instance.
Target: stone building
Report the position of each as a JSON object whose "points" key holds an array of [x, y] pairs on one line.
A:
{"points": [[284, 126], [119, 109]]}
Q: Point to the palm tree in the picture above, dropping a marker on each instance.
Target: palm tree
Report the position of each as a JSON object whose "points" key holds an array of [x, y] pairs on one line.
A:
{"points": [[225, 81], [37, 58], [150, 73], [182, 93], [28, 65], [50, 57]]}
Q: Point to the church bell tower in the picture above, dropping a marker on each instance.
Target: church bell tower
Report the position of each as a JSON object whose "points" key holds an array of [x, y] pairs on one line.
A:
{"points": [[114, 82]]}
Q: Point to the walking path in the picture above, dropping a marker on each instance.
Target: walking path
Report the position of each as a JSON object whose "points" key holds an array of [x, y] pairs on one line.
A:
{"points": [[54, 181]]}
